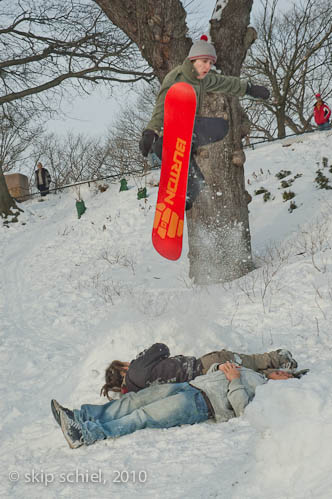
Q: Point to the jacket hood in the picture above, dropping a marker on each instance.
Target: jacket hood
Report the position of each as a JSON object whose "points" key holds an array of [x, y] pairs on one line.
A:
{"points": [[189, 71]]}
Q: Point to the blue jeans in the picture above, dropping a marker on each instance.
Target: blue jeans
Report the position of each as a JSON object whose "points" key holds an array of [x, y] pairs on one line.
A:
{"points": [[324, 126], [159, 406]]}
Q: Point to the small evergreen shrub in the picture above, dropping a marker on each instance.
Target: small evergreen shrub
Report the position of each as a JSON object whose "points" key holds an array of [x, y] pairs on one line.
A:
{"points": [[262, 190], [325, 162], [287, 195], [286, 183], [102, 187], [267, 196], [282, 174], [322, 181], [292, 207]]}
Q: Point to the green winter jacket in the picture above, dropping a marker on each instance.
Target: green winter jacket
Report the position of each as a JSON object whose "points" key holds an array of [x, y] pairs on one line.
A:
{"points": [[213, 82]]}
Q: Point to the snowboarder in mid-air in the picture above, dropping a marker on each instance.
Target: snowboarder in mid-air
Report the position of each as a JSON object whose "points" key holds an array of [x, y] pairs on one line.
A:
{"points": [[196, 71]]}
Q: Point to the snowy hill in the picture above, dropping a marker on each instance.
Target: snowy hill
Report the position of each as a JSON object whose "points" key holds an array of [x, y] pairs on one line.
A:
{"points": [[77, 294]]}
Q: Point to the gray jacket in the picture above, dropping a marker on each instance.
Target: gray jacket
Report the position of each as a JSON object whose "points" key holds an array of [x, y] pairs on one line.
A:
{"points": [[228, 398]]}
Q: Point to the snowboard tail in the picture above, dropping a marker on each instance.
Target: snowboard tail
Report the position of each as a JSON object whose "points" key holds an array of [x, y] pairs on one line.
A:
{"points": [[179, 116]]}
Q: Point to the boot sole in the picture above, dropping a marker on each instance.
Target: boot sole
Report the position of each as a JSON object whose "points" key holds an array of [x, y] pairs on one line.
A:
{"points": [[72, 445], [56, 411]]}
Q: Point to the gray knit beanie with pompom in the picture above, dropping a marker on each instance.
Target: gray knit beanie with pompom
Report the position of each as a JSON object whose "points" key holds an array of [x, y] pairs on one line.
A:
{"points": [[202, 49]]}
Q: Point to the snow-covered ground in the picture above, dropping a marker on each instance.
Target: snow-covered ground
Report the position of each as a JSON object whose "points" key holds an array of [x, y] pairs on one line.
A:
{"points": [[77, 294]]}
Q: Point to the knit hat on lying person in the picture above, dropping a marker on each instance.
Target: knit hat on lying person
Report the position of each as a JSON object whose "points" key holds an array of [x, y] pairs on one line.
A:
{"points": [[294, 372], [202, 49]]}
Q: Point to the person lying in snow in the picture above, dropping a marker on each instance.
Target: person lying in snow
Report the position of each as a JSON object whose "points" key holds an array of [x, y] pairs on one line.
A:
{"points": [[154, 365], [221, 394]]}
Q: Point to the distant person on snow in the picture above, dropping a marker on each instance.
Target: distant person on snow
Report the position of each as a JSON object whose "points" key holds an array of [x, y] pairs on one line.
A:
{"points": [[43, 179], [221, 394], [196, 70], [322, 113], [154, 365]]}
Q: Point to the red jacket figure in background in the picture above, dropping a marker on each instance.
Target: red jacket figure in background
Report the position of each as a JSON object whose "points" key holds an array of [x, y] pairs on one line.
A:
{"points": [[322, 113]]}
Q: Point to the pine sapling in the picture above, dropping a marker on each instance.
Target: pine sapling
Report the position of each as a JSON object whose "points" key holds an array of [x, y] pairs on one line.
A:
{"points": [[287, 195], [282, 174]]}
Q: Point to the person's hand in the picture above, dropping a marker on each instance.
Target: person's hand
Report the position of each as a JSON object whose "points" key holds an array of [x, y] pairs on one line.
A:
{"points": [[231, 371], [279, 375], [257, 91], [145, 144]]}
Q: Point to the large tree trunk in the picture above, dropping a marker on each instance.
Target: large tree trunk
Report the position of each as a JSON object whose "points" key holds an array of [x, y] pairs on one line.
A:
{"points": [[218, 225], [158, 27], [7, 203], [219, 237], [281, 121]]}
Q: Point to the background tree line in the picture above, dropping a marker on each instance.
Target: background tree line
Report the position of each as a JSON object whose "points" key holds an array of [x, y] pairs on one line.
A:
{"points": [[47, 50], [291, 56], [73, 156]]}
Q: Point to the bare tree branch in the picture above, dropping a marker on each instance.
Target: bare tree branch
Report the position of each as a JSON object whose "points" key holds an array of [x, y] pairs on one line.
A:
{"points": [[44, 44], [293, 53]]}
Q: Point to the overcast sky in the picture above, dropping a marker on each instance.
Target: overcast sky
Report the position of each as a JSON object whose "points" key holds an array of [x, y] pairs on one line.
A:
{"points": [[93, 114]]}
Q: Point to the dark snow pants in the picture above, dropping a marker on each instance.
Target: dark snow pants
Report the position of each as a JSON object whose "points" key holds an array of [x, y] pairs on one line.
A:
{"points": [[206, 131]]}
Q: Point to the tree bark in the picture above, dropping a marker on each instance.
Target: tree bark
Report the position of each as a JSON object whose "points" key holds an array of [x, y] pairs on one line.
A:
{"points": [[218, 226], [158, 28], [281, 122]]}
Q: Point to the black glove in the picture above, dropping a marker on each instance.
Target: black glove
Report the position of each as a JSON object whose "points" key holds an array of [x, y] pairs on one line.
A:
{"points": [[145, 144], [257, 91]]}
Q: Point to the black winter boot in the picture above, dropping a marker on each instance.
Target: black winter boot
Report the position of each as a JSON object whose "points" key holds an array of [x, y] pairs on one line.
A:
{"points": [[56, 410], [196, 183]]}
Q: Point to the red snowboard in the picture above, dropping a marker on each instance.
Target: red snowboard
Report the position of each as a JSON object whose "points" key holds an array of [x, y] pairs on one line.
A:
{"points": [[179, 117]]}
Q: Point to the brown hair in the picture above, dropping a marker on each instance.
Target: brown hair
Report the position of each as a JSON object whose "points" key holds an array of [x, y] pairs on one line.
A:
{"points": [[113, 377]]}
